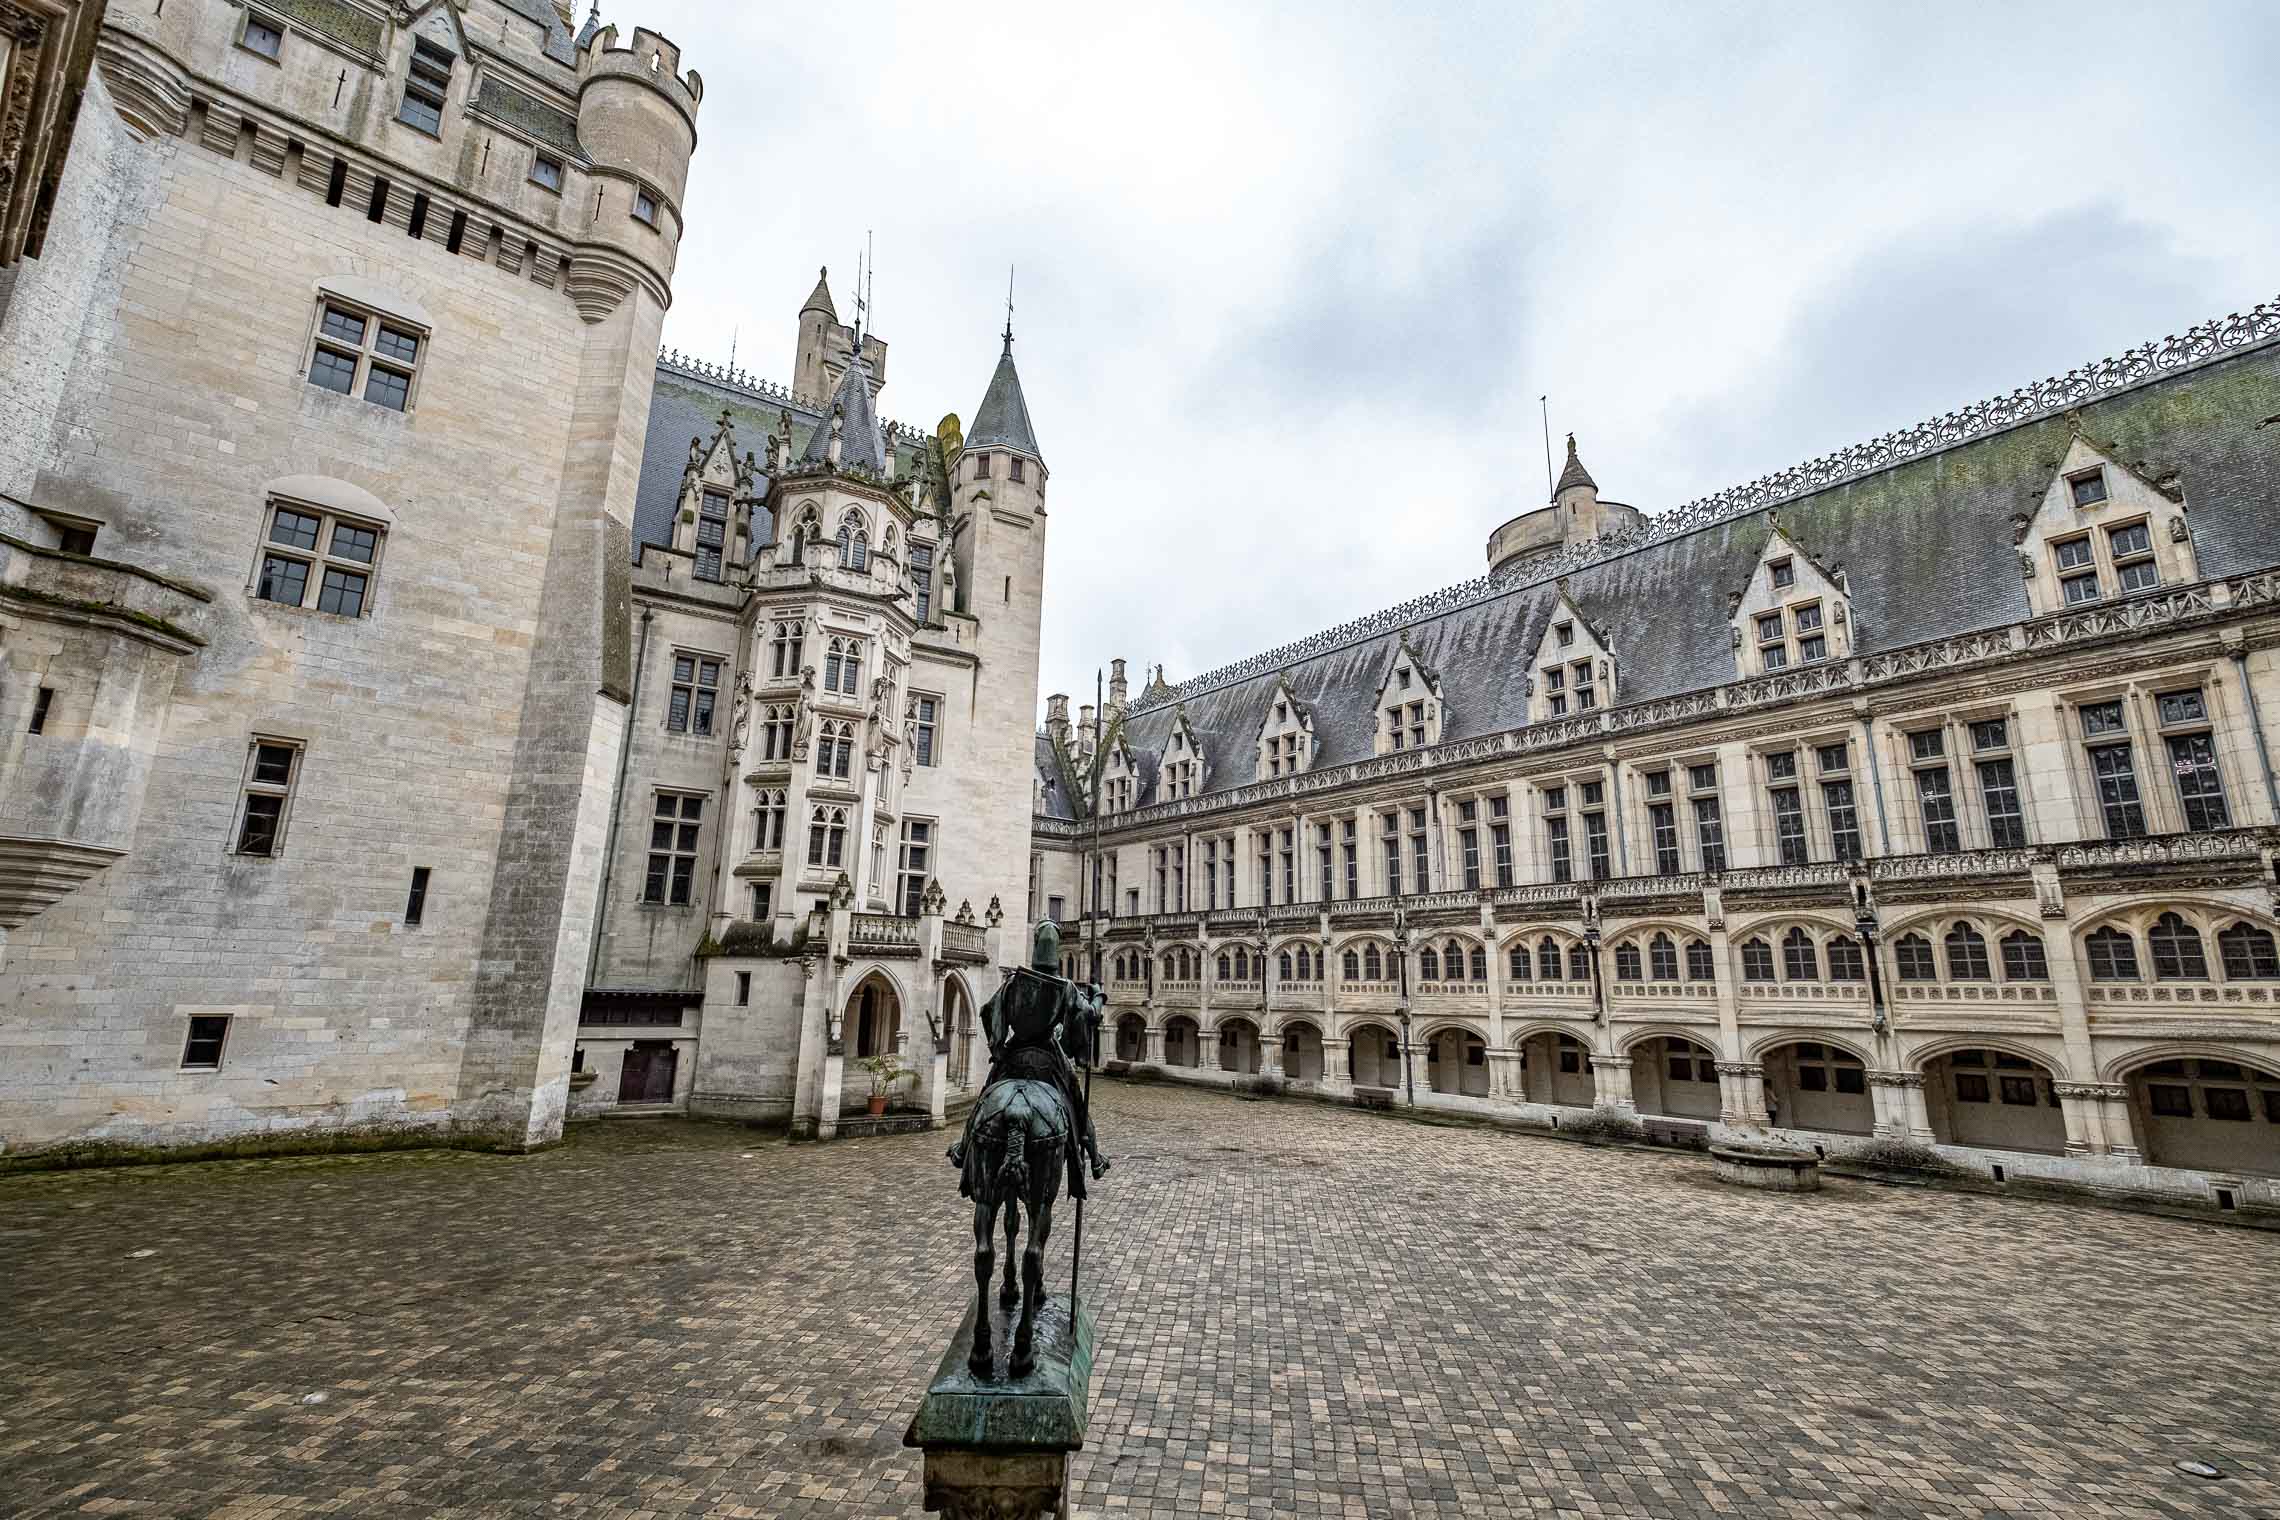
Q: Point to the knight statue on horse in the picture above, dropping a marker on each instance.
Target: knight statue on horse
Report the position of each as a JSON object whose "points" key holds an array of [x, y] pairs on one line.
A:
{"points": [[1029, 1129]]}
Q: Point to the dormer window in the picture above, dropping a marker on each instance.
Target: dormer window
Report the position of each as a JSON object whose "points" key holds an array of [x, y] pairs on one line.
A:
{"points": [[1812, 643], [1783, 573], [2132, 548], [2077, 570], [2103, 530], [1773, 642], [1586, 695], [1555, 691], [712, 532], [426, 86], [2088, 488], [1563, 634]]}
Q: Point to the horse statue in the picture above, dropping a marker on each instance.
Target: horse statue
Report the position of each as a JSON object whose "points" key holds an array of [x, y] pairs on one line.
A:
{"points": [[1027, 1132]]}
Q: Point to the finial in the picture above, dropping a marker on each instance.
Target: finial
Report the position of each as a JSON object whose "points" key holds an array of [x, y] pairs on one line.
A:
{"points": [[1009, 310], [1571, 445]]}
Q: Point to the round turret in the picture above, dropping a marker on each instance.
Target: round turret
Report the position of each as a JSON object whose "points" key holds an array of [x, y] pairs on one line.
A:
{"points": [[637, 121]]}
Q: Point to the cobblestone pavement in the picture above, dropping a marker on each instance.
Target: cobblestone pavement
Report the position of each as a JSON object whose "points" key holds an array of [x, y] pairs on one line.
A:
{"points": [[1306, 1311]]}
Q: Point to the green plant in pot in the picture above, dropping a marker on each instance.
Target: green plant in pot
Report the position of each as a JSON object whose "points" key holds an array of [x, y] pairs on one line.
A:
{"points": [[885, 1072]]}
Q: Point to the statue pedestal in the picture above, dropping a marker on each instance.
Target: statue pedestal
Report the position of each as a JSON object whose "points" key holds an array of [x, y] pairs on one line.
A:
{"points": [[1000, 1451]]}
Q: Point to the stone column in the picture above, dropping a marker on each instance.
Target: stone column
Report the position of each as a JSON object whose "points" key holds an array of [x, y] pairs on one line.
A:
{"points": [[1270, 1054], [1722, 963], [1416, 1079], [1504, 1078], [1155, 1043], [2106, 1112], [1611, 1082], [1890, 1104], [1919, 1115], [1334, 1077], [1741, 1093], [1488, 932]]}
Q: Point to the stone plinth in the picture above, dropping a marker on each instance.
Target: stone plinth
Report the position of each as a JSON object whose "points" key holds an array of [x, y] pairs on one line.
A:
{"points": [[1000, 1451], [1775, 1168]]}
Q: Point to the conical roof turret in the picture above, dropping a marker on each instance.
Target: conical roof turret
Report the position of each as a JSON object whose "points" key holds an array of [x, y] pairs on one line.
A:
{"points": [[861, 444], [819, 299], [1575, 474], [1002, 420]]}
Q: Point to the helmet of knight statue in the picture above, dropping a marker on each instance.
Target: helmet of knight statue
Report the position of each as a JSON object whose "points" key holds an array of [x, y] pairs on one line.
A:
{"points": [[1046, 956]]}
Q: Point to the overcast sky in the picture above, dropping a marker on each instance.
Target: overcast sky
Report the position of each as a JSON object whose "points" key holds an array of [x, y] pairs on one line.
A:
{"points": [[1290, 279]]}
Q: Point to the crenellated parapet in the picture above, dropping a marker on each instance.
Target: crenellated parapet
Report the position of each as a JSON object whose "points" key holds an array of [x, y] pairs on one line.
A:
{"points": [[637, 121]]}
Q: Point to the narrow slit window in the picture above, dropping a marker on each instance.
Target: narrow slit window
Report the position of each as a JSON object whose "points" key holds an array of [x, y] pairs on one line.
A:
{"points": [[415, 904]]}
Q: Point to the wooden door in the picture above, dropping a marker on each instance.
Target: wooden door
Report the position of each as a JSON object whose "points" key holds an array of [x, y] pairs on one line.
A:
{"points": [[647, 1076]]}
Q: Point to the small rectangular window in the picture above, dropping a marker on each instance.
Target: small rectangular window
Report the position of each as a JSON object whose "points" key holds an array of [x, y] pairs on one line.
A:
{"points": [[743, 988], [675, 824], [1783, 572], [415, 905], [40, 706], [645, 207], [924, 710], [272, 767], [202, 1045], [261, 35], [546, 171], [2088, 488]]}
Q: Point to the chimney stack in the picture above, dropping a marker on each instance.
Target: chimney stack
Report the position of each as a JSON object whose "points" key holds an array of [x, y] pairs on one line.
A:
{"points": [[1116, 687], [1057, 719]]}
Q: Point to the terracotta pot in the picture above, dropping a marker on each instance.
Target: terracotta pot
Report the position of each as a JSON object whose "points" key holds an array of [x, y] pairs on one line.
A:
{"points": [[878, 1104]]}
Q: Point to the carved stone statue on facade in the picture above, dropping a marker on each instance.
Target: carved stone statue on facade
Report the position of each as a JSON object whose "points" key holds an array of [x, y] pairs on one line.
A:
{"points": [[1029, 1130], [803, 726], [740, 716], [909, 736]]}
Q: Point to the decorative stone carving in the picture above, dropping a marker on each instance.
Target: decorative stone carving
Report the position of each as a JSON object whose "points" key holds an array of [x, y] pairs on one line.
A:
{"points": [[996, 914]]}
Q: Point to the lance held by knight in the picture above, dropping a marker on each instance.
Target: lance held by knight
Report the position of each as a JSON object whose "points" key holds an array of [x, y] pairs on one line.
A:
{"points": [[1039, 1025]]}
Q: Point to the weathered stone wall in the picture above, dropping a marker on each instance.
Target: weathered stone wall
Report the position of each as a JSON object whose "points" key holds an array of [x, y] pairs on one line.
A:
{"points": [[184, 398]]}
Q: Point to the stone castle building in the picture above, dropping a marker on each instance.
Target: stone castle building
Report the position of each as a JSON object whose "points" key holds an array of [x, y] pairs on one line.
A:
{"points": [[1920, 797], [394, 693]]}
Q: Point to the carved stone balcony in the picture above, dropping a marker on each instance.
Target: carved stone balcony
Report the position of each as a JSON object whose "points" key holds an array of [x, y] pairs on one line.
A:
{"points": [[965, 943], [882, 934]]}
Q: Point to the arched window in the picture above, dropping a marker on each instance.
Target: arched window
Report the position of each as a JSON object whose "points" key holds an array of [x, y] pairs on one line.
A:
{"points": [[1305, 964], [1845, 964], [1799, 960], [2248, 954], [1967, 955], [1350, 966], [1373, 969], [1191, 964], [1516, 965], [1757, 961], [1627, 966], [1429, 964], [1454, 958], [1479, 959], [1243, 971], [2113, 956], [1662, 958], [2176, 947], [890, 540], [1548, 958], [854, 542], [1223, 965], [1913, 955], [1579, 963], [1171, 966], [1282, 965], [1701, 965], [2023, 959]]}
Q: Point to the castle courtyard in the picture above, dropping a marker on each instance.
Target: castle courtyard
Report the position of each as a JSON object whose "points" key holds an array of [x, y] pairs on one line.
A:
{"points": [[1304, 1311]]}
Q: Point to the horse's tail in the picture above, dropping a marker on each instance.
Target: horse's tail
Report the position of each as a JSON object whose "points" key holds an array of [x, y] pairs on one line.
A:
{"points": [[1013, 1169]]}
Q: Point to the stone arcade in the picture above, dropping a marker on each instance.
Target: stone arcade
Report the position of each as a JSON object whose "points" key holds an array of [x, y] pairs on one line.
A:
{"points": [[1918, 798]]}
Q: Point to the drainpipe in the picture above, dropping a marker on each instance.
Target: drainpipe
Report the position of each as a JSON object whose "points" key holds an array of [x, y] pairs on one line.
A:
{"points": [[2256, 727], [617, 797]]}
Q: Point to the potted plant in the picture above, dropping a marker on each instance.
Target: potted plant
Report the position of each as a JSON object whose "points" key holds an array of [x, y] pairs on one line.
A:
{"points": [[885, 1073]]}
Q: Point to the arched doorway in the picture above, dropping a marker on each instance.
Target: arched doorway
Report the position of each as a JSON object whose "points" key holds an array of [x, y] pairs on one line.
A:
{"points": [[2210, 1114], [1457, 1062], [872, 1024], [1373, 1056], [1556, 1068], [1181, 1047], [1239, 1046], [958, 1018], [1131, 1038], [1301, 1052], [1675, 1077], [1809, 1085], [1995, 1099]]}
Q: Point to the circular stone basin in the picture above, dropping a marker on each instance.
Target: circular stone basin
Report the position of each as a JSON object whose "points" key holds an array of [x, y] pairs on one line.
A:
{"points": [[1776, 1168]]}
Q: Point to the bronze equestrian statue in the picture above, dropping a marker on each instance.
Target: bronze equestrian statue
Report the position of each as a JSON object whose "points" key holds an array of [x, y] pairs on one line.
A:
{"points": [[1028, 1130]]}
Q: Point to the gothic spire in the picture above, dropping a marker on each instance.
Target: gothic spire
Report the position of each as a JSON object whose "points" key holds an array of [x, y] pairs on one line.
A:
{"points": [[1002, 420], [819, 299], [1575, 474], [862, 446]]}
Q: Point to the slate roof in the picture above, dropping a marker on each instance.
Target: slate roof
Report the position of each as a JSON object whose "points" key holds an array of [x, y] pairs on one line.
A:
{"points": [[1925, 544], [1058, 802], [343, 23], [1575, 474], [686, 404], [1002, 420], [526, 113], [861, 444]]}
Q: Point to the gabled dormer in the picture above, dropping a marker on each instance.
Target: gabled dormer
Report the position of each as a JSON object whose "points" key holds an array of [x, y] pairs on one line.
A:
{"points": [[713, 524], [1180, 774], [1574, 671], [1794, 611], [2103, 530], [1409, 707], [1119, 777], [1286, 734]]}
